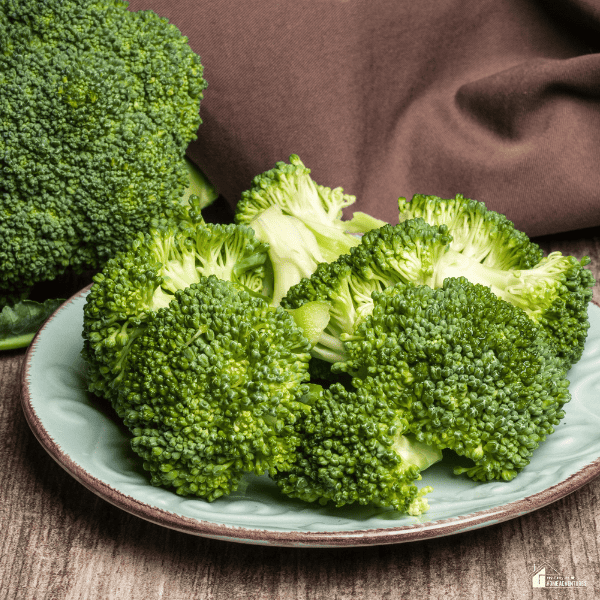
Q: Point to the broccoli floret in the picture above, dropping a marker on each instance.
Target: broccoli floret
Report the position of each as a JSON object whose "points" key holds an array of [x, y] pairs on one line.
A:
{"points": [[555, 292], [482, 234], [144, 277], [407, 252], [468, 370], [212, 389], [98, 106], [291, 188], [353, 450]]}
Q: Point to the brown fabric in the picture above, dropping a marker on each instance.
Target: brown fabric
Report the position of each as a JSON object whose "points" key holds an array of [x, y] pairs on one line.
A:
{"points": [[496, 99]]}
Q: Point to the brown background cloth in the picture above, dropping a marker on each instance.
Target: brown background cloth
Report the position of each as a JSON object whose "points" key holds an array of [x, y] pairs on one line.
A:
{"points": [[496, 99]]}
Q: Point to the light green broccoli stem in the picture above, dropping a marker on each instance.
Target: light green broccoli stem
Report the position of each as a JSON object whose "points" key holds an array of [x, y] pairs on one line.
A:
{"points": [[293, 250], [312, 318], [533, 290], [199, 186], [362, 222]]}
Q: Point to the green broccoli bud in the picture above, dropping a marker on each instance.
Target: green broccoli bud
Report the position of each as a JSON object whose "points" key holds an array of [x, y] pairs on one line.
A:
{"points": [[212, 389], [353, 450], [484, 235], [468, 371]]}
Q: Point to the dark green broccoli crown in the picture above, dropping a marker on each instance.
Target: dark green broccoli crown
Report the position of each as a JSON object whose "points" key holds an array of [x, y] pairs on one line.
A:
{"points": [[140, 280], [470, 371], [485, 235], [347, 453], [98, 105], [212, 388]]}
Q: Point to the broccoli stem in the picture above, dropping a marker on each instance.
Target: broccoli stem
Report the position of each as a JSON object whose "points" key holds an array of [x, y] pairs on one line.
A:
{"points": [[17, 341]]}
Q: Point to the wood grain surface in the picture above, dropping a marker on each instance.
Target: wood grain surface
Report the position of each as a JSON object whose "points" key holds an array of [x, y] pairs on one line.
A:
{"points": [[58, 541]]}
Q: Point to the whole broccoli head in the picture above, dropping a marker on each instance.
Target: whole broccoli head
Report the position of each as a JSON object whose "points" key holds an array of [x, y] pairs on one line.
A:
{"points": [[211, 389], [97, 108], [353, 450], [468, 370], [138, 281]]}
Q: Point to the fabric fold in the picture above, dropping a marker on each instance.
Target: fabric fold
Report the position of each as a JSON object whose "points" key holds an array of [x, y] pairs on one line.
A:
{"points": [[498, 100]]}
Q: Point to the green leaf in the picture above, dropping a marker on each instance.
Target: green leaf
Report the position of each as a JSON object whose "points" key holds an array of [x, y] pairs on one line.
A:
{"points": [[19, 323]]}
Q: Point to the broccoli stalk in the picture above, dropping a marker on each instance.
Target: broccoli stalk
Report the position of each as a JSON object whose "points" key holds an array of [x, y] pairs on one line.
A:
{"points": [[293, 250]]}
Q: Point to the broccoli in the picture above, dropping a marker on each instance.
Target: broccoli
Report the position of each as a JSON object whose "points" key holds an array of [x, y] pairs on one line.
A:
{"points": [[407, 252], [555, 292], [293, 249], [138, 281], [466, 369], [212, 389], [482, 234], [98, 106], [353, 450], [292, 189]]}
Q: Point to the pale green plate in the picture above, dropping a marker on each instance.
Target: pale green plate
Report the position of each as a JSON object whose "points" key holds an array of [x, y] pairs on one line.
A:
{"points": [[85, 440]]}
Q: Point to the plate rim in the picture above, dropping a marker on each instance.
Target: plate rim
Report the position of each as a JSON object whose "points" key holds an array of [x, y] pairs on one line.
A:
{"points": [[295, 538]]}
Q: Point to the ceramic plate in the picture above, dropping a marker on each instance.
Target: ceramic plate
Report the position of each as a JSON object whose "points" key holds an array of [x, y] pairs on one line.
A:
{"points": [[81, 435]]}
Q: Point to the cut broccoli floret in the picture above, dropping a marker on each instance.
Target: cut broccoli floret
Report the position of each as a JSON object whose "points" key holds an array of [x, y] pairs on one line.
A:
{"points": [[555, 292], [140, 280], [292, 189], [352, 450], [477, 232], [211, 389], [407, 252], [98, 106], [468, 370]]}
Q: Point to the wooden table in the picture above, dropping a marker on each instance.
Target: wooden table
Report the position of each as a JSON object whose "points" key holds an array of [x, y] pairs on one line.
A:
{"points": [[60, 541]]}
